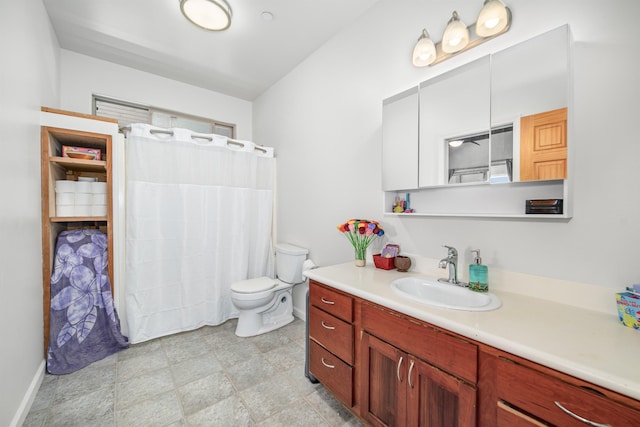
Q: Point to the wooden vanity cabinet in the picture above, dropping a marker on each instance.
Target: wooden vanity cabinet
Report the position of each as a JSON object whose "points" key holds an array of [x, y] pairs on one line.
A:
{"points": [[393, 370], [531, 395], [413, 374], [331, 340]]}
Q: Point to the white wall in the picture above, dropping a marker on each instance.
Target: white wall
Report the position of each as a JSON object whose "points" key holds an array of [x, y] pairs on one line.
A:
{"points": [[29, 79], [324, 119], [83, 76]]}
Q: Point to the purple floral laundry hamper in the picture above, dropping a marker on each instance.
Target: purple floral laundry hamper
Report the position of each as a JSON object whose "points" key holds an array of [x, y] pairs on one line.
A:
{"points": [[84, 325]]}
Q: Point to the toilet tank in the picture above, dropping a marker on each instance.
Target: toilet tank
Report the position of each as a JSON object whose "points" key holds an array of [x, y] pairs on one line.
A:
{"points": [[289, 260]]}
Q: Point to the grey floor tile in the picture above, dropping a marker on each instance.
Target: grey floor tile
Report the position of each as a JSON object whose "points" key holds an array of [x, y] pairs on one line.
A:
{"points": [[286, 358], [195, 368], [185, 347], [205, 392], [143, 387], [301, 383], [90, 409], [271, 341], [86, 380], [269, 397], [207, 377], [144, 363], [46, 392], [231, 354], [35, 418], [296, 331], [330, 409], [300, 415], [136, 350], [221, 338], [250, 371], [163, 409], [230, 412]]}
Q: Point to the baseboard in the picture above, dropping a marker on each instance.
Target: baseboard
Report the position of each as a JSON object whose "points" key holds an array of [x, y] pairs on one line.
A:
{"points": [[29, 397], [300, 314]]}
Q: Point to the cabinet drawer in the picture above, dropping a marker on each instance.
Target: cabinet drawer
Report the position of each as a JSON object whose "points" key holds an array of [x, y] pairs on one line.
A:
{"points": [[332, 372], [333, 302], [332, 333], [449, 353], [536, 393], [509, 417]]}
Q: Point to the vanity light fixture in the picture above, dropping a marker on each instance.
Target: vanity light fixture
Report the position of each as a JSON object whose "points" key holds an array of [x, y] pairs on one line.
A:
{"points": [[456, 35], [494, 19], [212, 15], [425, 51]]}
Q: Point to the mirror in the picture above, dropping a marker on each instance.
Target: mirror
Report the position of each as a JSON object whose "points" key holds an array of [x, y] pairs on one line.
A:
{"points": [[454, 126], [477, 122], [529, 93]]}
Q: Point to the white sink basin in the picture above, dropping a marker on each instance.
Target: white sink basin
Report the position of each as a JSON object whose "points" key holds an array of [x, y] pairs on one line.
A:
{"points": [[432, 292]]}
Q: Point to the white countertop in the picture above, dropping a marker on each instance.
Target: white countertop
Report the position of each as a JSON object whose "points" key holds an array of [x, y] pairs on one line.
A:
{"points": [[590, 345]]}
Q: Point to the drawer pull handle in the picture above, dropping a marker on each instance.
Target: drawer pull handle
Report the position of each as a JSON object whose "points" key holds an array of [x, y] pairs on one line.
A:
{"points": [[398, 369], [578, 417], [326, 364], [409, 376], [326, 302], [327, 327]]}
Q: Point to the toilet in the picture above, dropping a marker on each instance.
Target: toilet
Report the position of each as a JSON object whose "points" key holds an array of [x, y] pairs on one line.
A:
{"points": [[264, 303]]}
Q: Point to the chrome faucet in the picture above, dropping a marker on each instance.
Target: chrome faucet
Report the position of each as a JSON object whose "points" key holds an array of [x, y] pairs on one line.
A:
{"points": [[452, 262]]}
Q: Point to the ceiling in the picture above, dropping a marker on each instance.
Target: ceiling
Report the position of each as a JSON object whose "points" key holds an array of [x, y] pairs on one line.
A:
{"points": [[154, 36]]}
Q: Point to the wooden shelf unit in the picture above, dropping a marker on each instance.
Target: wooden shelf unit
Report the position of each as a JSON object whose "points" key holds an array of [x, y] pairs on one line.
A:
{"points": [[53, 168]]}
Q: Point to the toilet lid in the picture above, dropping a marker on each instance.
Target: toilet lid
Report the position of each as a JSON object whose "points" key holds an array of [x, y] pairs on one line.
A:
{"points": [[250, 286]]}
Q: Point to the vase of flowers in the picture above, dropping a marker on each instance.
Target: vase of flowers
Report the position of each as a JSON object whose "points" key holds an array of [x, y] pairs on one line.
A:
{"points": [[361, 233]]}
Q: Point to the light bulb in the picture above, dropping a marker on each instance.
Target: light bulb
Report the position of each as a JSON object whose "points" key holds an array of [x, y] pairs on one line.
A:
{"points": [[456, 35], [493, 18], [424, 53]]}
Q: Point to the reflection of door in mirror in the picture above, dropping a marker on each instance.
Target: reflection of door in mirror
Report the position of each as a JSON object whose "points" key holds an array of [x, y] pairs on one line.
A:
{"points": [[543, 145], [527, 79]]}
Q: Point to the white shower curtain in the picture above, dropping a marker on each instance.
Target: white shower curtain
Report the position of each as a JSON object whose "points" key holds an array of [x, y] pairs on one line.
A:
{"points": [[198, 218]]}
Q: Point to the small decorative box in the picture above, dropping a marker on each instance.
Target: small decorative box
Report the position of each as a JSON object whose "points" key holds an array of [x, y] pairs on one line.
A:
{"points": [[81, 152], [629, 309], [383, 263]]}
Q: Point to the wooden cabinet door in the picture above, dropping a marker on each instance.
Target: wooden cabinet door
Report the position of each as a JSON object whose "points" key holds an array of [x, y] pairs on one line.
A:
{"points": [[384, 373], [543, 145], [437, 399]]}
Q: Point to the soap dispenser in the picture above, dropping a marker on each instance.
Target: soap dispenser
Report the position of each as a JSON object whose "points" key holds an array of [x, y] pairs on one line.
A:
{"points": [[478, 273]]}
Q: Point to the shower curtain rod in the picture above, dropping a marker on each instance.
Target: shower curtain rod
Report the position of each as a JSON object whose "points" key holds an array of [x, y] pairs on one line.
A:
{"points": [[194, 136]]}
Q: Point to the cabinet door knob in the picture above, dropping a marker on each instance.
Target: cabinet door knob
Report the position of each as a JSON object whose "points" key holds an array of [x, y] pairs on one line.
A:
{"points": [[409, 376], [324, 325], [326, 364], [326, 302], [579, 418], [398, 369]]}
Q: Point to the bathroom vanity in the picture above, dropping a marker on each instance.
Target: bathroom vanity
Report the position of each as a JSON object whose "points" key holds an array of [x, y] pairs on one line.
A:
{"points": [[532, 362]]}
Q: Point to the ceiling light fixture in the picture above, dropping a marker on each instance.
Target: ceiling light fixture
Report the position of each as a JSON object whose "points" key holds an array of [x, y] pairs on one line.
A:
{"points": [[494, 19], [212, 15], [425, 51]]}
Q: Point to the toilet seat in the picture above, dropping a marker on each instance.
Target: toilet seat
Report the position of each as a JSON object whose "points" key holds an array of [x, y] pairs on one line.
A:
{"points": [[252, 286]]}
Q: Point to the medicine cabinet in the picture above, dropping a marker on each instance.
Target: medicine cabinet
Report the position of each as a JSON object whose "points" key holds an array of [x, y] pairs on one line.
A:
{"points": [[477, 133]]}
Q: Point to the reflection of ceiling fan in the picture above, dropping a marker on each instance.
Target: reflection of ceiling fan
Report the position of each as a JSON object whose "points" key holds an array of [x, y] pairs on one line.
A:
{"points": [[458, 142]]}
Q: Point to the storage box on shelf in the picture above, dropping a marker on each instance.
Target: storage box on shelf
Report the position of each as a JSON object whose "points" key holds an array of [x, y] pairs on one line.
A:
{"points": [[76, 192]]}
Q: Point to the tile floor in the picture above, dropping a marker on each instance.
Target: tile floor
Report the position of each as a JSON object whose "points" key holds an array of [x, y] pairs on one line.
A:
{"points": [[207, 377]]}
